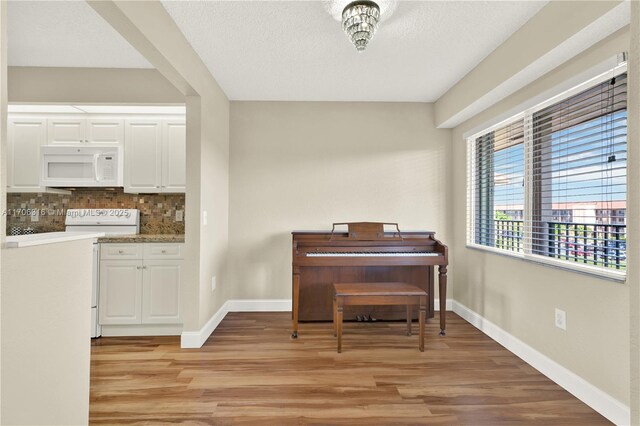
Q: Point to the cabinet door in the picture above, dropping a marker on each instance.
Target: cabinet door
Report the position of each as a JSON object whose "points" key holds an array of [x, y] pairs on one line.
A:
{"points": [[25, 137], [142, 156], [66, 131], [120, 292], [105, 131], [161, 292], [174, 150]]}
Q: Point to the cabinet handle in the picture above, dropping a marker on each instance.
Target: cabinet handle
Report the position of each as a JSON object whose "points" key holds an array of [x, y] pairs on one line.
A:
{"points": [[138, 267], [164, 251], [144, 267], [120, 251]]}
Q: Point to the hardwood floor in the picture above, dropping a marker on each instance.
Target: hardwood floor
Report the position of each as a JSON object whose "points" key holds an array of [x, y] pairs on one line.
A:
{"points": [[251, 372]]}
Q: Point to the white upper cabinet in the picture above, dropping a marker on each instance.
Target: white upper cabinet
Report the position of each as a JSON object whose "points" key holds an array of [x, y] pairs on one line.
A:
{"points": [[25, 137], [69, 131], [105, 131], [65, 131], [174, 161], [143, 156], [153, 147], [155, 156]]}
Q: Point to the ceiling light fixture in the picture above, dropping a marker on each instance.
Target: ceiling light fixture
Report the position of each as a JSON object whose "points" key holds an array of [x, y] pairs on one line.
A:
{"points": [[360, 20]]}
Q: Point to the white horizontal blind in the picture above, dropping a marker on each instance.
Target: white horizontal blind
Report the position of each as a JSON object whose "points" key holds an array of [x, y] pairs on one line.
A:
{"points": [[551, 186], [496, 187], [578, 162]]}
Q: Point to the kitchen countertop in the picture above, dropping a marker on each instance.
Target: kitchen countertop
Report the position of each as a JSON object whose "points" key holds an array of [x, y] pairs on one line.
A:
{"points": [[17, 241], [143, 238]]}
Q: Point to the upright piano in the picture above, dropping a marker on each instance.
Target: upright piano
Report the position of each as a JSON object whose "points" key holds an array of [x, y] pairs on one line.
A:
{"points": [[365, 252]]}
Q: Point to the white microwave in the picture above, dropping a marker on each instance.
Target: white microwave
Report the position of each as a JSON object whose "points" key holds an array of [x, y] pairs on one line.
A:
{"points": [[71, 166]]}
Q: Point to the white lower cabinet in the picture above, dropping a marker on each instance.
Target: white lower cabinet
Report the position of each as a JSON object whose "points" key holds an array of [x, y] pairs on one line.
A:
{"points": [[161, 291], [120, 292], [145, 290]]}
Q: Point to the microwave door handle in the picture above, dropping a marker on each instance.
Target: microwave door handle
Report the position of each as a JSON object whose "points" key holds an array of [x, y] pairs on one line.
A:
{"points": [[95, 166]]}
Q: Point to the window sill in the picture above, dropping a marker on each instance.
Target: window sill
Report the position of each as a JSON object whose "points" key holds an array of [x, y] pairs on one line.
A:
{"points": [[610, 275]]}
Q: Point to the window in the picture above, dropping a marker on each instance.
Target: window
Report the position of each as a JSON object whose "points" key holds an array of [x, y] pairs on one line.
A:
{"points": [[550, 184], [499, 187]]}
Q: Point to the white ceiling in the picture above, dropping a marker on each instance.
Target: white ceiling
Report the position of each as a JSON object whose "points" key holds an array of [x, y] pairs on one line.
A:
{"points": [[65, 34], [295, 50], [286, 50]]}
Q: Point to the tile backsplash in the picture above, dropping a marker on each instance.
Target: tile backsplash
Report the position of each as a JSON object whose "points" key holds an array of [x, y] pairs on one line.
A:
{"points": [[157, 211]]}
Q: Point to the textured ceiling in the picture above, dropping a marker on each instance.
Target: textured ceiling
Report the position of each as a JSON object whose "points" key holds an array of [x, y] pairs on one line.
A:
{"points": [[286, 50], [65, 34], [295, 50]]}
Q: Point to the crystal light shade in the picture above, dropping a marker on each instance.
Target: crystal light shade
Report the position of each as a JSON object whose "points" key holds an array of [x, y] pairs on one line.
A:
{"points": [[360, 21]]}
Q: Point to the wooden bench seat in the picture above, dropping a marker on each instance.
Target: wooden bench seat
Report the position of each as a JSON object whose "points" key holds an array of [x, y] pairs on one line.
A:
{"points": [[386, 293]]}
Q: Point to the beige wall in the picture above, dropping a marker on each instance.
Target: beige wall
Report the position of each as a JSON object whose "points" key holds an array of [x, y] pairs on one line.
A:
{"points": [[520, 296], [305, 165], [46, 320], [90, 85], [213, 191]]}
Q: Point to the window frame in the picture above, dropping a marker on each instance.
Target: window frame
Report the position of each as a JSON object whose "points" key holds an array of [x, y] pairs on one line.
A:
{"points": [[527, 253]]}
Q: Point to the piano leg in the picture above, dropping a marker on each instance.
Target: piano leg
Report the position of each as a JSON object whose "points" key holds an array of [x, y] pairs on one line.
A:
{"points": [[442, 281], [335, 317], [422, 319], [409, 315], [339, 318], [295, 300]]}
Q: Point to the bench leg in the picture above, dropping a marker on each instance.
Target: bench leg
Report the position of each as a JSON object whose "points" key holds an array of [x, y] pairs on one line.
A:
{"points": [[339, 322], [409, 315], [422, 320]]}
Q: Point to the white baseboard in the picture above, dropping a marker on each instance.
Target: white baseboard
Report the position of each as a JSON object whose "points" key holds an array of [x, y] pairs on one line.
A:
{"points": [[614, 410], [259, 305], [195, 339]]}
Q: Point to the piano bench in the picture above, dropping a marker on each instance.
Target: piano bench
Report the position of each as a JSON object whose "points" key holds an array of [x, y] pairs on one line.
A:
{"points": [[392, 293]]}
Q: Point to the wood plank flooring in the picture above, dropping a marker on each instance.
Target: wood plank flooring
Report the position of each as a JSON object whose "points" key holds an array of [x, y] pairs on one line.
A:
{"points": [[251, 372]]}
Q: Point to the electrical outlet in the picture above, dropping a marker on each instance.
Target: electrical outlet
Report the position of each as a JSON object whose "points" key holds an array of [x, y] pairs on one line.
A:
{"points": [[561, 319], [179, 215], [213, 283], [205, 217], [35, 216]]}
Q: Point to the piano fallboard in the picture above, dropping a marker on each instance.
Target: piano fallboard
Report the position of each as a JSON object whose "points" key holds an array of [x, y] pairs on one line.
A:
{"points": [[415, 249], [371, 261]]}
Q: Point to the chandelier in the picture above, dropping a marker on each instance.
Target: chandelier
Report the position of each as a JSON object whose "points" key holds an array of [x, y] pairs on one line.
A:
{"points": [[360, 21]]}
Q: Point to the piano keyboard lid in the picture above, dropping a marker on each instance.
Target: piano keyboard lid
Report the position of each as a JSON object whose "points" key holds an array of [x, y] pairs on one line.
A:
{"points": [[371, 254]]}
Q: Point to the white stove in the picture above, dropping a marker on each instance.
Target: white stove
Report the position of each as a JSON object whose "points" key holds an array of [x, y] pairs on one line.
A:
{"points": [[111, 222]]}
